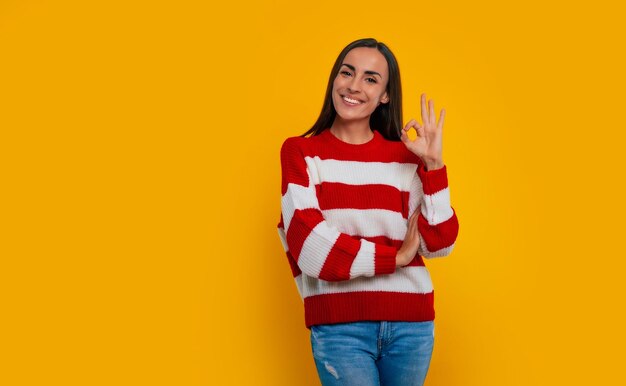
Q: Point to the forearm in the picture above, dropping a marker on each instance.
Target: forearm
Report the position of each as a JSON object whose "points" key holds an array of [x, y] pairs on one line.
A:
{"points": [[437, 223], [323, 252], [320, 249]]}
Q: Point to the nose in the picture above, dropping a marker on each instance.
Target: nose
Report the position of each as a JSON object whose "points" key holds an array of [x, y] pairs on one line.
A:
{"points": [[353, 86]]}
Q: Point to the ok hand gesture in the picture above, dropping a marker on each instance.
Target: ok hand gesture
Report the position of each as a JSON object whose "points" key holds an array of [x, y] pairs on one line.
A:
{"points": [[428, 144]]}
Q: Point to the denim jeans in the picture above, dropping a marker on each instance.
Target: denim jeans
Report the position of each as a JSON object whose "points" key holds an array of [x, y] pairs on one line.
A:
{"points": [[372, 353]]}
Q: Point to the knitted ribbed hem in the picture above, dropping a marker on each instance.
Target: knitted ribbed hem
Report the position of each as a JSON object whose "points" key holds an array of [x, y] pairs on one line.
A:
{"points": [[374, 306], [385, 261], [433, 180]]}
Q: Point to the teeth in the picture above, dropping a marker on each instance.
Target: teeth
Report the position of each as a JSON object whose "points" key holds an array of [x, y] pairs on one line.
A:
{"points": [[353, 101]]}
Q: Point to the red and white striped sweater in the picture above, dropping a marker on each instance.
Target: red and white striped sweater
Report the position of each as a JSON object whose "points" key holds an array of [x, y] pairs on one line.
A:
{"points": [[344, 215]]}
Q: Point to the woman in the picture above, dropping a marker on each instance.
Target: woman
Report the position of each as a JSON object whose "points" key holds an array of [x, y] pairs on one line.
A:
{"points": [[361, 204]]}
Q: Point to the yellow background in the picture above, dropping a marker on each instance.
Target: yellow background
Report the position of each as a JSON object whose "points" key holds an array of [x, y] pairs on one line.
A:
{"points": [[139, 161]]}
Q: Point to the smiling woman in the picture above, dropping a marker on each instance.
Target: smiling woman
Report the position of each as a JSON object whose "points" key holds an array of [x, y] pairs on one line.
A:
{"points": [[365, 69], [357, 92], [361, 206]]}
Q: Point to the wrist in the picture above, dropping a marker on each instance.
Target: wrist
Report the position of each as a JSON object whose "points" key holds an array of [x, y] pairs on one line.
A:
{"points": [[433, 164], [400, 259]]}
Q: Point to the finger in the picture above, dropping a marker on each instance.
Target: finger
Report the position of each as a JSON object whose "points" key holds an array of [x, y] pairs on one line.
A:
{"points": [[414, 218], [403, 137], [411, 123], [421, 132], [424, 109], [414, 222], [442, 116], [431, 113], [416, 213], [418, 126], [412, 228]]}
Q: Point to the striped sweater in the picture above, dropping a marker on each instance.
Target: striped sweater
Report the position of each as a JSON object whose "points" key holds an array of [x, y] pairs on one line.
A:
{"points": [[344, 215]]}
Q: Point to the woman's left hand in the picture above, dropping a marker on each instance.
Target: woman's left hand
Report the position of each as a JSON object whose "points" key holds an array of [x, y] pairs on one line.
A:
{"points": [[429, 141]]}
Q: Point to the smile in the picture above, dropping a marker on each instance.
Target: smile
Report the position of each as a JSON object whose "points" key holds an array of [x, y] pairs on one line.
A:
{"points": [[350, 101]]}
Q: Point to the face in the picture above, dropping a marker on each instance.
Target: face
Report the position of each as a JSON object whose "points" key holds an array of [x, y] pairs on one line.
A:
{"points": [[360, 84]]}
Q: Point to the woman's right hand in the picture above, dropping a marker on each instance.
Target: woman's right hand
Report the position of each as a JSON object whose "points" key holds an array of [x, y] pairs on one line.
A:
{"points": [[408, 250]]}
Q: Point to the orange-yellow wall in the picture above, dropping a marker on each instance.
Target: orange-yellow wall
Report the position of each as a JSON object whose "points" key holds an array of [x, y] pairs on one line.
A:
{"points": [[139, 165]]}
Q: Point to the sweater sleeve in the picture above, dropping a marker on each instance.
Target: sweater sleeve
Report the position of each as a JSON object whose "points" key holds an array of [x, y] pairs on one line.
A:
{"points": [[319, 249], [437, 224]]}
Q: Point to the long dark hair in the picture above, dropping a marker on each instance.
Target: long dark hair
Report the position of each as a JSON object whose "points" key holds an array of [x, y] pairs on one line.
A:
{"points": [[387, 118]]}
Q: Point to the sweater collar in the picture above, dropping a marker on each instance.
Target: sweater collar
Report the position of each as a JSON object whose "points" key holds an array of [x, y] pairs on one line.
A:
{"points": [[372, 143]]}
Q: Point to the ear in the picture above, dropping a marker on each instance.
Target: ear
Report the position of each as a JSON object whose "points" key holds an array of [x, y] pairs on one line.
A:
{"points": [[384, 98]]}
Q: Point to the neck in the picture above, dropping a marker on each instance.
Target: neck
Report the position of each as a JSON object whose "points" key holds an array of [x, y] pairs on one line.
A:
{"points": [[353, 132]]}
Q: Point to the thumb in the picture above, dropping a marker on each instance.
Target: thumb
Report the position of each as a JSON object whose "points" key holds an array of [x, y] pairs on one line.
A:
{"points": [[403, 137]]}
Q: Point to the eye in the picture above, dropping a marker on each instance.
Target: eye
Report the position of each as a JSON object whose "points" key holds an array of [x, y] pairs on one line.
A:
{"points": [[373, 80], [345, 73]]}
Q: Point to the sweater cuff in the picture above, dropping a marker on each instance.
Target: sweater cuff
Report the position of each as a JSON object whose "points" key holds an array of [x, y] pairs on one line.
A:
{"points": [[385, 260], [433, 180]]}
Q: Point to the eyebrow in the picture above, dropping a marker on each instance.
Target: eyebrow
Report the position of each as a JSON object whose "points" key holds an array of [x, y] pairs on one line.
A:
{"points": [[366, 72]]}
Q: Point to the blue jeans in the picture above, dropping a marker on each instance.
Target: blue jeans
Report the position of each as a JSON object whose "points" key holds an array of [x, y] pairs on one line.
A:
{"points": [[373, 353]]}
